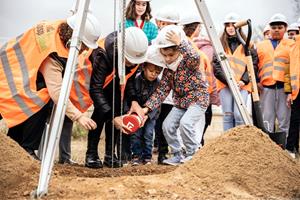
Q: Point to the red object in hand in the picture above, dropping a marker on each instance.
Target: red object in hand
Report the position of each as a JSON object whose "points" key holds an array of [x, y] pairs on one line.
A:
{"points": [[132, 122]]}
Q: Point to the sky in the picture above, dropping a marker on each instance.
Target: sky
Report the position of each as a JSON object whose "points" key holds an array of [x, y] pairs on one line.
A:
{"points": [[18, 15]]}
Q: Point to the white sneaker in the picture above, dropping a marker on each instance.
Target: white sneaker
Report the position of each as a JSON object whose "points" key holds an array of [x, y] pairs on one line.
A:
{"points": [[293, 155], [186, 158]]}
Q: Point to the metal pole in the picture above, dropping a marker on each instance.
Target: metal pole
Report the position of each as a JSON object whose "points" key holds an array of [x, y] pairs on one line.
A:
{"points": [[59, 113], [203, 10]]}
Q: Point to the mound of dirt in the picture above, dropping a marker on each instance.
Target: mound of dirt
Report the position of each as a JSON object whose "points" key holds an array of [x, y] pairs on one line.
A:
{"points": [[18, 171], [242, 164]]}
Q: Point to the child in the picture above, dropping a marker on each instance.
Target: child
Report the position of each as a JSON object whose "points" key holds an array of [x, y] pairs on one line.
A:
{"points": [[138, 14], [190, 94], [145, 84]]}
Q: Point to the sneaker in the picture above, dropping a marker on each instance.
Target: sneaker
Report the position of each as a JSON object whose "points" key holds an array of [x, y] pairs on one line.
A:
{"points": [[135, 162], [161, 158], [68, 161], [147, 162], [292, 154], [186, 158], [175, 160]]}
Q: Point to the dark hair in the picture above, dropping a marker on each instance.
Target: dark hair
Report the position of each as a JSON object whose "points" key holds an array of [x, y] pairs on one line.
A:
{"points": [[65, 33], [224, 38], [278, 24], [131, 14], [145, 65], [189, 29]]}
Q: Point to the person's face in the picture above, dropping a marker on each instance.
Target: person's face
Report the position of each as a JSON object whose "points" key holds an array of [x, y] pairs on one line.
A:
{"points": [[163, 24], [292, 34], [267, 35], [230, 29], [277, 31], [151, 72], [169, 55], [140, 7], [83, 47]]}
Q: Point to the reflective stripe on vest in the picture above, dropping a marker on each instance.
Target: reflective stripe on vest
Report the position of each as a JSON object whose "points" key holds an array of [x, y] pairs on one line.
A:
{"points": [[273, 63], [20, 61], [295, 68], [238, 64]]}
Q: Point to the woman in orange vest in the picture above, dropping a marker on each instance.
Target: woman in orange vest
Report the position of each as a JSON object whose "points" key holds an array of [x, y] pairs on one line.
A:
{"points": [[31, 71], [235, 53]]}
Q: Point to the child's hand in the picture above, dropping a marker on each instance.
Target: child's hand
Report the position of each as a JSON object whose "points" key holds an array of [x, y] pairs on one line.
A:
{"points": [[173, 37]]}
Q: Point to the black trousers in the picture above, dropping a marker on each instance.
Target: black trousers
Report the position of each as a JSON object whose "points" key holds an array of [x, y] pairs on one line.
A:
{"points": [[65, 140], [208, 118], [162, 143], [29, 133], [293, 137]]}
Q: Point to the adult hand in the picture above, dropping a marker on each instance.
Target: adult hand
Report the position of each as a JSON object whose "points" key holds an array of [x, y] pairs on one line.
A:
{"points": [[136, 108], [118, 122], [289, 100], [87, 123], [241, 84], [173, 37]]}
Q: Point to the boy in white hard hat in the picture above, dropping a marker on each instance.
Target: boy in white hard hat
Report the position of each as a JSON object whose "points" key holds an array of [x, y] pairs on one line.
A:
{"points": [[106, 93], [293, 30], [273, 57], [190, 93], [145, 84]]}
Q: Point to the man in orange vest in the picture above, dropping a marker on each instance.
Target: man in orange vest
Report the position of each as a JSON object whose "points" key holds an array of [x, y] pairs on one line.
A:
{"points": [[273, 61], [293, 98], [106, 92], [31, 71]]}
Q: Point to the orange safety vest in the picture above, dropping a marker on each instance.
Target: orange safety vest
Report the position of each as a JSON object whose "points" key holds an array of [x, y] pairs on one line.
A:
{"points": [[205, 66], [273, 63], [295, 68], [20, 60], [238, 64]]}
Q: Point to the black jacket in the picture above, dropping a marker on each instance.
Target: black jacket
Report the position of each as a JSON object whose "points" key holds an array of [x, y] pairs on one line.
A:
{"points": [[102, 61], [218, 72]]}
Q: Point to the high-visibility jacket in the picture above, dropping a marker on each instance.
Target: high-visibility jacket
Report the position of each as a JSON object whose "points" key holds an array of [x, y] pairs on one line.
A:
{"points": [[273, 63], [205, 66], [295, 68], [238, 64], [20, 59]]}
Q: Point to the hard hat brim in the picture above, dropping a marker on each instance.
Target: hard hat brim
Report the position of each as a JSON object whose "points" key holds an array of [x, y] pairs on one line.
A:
{"points": [[136, 60]]}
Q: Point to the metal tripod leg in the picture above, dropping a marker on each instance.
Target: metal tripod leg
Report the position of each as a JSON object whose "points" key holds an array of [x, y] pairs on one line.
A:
{"points": [[202, 8], [59, 113]]}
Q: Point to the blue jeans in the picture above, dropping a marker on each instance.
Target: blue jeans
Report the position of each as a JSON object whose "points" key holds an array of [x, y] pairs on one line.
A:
{"points": [[231, 113], [142, 141], [186, 120]]}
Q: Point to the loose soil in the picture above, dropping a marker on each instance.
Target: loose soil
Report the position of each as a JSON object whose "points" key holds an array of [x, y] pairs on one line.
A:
{"points": [[241, 164]]}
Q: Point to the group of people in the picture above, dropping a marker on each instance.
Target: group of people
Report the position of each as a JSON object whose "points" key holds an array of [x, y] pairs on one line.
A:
{"points": [[173, 78]]}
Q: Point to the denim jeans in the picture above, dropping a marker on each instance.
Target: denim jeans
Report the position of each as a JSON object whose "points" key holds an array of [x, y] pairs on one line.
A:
{"points": [[142, 141], [231, 113], [185, 120]]}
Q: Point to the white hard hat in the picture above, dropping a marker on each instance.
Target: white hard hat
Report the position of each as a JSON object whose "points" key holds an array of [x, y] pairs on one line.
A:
{"points": [[267, 28], [136, 45], [168, 14], [155, 57], [161, 39], [189, 19], [278, 17], [91, 32], [293, 27], [231, 18]]}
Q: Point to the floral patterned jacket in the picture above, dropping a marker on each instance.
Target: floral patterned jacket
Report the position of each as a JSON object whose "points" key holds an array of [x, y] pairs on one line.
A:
{"points": [[186, 82]]}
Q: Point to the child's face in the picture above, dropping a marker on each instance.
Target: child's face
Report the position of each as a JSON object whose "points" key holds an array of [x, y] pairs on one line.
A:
{"points": [[229, 28], [169, 55], [140, 7], [163, 24], [151, 71]]}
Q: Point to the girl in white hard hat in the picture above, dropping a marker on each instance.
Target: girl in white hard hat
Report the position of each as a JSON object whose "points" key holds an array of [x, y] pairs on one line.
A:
{"points": [[138, 14], [190, 94], [234, 50], [145, 84]]}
